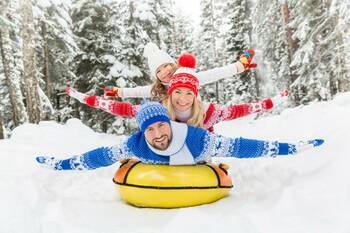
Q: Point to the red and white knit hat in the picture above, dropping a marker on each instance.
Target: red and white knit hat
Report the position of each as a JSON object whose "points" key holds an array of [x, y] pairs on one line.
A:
{"points": [[185, 75]]}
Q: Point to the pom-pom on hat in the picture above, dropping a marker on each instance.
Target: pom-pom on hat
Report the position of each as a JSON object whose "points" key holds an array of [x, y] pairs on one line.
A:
{"points": [[151, 112], [156, 57], [185, 75]]}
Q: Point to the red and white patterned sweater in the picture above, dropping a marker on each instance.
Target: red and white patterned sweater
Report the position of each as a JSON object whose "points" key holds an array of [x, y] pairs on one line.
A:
{"points": [[214, 113]]}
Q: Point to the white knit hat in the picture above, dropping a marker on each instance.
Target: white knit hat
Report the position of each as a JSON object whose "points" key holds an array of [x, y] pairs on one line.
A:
{"points": [[155, 57]]}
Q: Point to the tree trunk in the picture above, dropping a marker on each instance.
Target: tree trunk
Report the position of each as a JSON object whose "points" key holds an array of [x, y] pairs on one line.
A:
{"points": [[253, 75], [215, 54], [2, 136], [30, 79], [12, 81], [46, 63], [291, 45]]}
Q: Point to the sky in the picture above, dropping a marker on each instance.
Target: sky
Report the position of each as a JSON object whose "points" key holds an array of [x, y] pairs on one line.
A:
{"points": [[305, 193]]}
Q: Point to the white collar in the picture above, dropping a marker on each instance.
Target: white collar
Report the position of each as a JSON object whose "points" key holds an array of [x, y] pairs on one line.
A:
{"points": [[183, 116], [179, 131]]}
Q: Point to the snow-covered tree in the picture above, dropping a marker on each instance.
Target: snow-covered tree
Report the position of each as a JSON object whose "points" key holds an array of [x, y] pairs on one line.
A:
{"points": [[183, 34], [156, 19], [206, 47], [111, 45], [56, 45], [12, 78], [274, 66], [30, 71], [207, 51], [320, 28], [241, 88]]}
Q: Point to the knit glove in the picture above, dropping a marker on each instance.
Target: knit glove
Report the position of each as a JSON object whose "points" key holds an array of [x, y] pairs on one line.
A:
{"points": [[282, 149], [73, 163], [280, 98], [246, 59], [49, 162], [275, 101], [91, 101], [76, 94], [305, 145], [112, 91]]}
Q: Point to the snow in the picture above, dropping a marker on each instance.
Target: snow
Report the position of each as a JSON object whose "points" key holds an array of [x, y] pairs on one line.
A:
{"points": [[119, 69], [308, 193]]}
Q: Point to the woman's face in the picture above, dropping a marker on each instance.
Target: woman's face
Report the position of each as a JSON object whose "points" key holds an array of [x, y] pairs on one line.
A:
{"points": [[164, 72], [182, 99]]}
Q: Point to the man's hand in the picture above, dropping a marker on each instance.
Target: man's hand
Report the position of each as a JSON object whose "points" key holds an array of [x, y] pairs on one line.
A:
{"points": [[49, 162]]}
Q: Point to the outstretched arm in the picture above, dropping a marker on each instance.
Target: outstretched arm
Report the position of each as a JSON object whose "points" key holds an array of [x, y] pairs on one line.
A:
{"points": [[217, 113], [129, 92], [249, 148], [136, 92], [227, 71], [100, 157], [116, 108]]}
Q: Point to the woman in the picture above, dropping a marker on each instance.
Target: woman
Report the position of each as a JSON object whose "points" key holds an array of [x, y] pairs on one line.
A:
{"points": [[182, 101], [162, 67], [183, 104]]}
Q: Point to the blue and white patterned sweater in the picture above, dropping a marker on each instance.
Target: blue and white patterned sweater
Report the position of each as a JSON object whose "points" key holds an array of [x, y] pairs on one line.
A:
{"points": [[189, 145]]}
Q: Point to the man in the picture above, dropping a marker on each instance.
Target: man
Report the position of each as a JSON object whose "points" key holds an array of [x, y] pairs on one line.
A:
{"points": [[161, 141]]}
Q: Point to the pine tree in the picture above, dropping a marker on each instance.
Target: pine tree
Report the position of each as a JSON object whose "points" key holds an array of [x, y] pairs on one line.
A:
{"points": [[208, 53], [56, 49], [320, 31], [57, 45], [274, 66], [160, 27], [183, 34], [206, 48], [241, 88], [29, 60], [1, 128], [12, 79]]}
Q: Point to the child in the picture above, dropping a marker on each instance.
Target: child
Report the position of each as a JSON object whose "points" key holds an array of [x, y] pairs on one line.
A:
{"points": [[162, 67]]}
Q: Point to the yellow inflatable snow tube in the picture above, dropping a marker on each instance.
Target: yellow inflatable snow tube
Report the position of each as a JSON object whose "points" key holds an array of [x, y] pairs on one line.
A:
{"points": [[166, 186]]}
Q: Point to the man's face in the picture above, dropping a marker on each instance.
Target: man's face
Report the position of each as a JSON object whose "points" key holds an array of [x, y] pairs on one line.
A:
{"points": [[159, 135]]}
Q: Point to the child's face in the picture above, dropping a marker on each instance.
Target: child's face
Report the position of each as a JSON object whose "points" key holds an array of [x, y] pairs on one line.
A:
{"points": [[182, 99], [164, 72]]}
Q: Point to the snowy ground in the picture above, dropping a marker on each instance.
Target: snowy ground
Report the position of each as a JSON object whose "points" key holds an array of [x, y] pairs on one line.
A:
{"points": [[307, 193]]}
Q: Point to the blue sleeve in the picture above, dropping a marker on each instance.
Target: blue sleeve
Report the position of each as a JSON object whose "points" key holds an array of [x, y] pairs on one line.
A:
{"points": [[100, 157], [249, 148]]}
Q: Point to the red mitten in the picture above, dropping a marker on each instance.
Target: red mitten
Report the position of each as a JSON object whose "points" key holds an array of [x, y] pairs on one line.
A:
{"points": [[280, 98], [111, 91], [75, 94]]}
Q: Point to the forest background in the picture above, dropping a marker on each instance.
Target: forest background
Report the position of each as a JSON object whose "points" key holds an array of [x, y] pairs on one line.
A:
{"points": [[46, 45]]}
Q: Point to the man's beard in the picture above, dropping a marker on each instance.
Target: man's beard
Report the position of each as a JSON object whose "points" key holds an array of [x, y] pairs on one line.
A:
{"points": [[162, 145]]}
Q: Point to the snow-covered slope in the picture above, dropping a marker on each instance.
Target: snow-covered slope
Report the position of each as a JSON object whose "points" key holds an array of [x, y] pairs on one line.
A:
{"points": [[307, 193]]}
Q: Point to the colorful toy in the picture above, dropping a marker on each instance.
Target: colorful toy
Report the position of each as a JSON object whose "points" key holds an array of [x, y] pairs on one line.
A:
{"points": [[246, 59]]}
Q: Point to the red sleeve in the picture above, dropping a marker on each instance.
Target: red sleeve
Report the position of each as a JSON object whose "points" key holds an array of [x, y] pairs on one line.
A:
{"points": [[217, 113], [123, 109], [235, 111]]}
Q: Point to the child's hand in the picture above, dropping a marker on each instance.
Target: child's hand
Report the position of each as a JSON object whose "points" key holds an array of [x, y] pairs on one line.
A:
{"points": [[246, 59], [111, 91]]}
